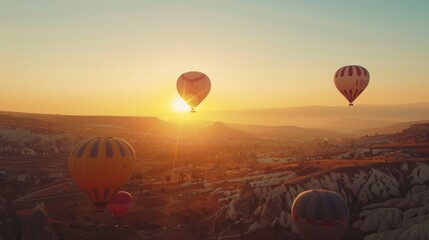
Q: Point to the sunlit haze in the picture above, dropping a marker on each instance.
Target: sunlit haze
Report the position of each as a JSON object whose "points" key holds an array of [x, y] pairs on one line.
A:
{"points": [[179, 105], [123, 58]]}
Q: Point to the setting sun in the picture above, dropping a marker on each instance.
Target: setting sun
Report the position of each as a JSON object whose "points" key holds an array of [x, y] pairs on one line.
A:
{"points": [[179, 105]]}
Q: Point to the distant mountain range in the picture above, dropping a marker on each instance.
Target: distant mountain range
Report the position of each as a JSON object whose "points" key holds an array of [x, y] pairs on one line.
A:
{"points": [[219, 129], [390, 129], [56, 122], [124, 126], [285, 131], [311, 121], [337, 118]]}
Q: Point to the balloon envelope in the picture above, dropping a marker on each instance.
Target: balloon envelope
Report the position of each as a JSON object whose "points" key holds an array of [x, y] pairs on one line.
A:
{"points": [[119, 204], [351, 81], [101, 166], [320, 214], [193, 87]]}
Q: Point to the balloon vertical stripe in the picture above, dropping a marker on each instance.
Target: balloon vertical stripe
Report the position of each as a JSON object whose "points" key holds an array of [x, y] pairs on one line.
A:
{"points": [[350, 95], [130, 149], [121, 148], [358, 70], [334, 207], [318, 210], [355, 94], [342, 71], [109, 150], [350, 70], [94, 149], [346, 94], [83, 147]]}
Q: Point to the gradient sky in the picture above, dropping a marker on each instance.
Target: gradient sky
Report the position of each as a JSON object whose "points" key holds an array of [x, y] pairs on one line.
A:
{"points": [[123, 57]]}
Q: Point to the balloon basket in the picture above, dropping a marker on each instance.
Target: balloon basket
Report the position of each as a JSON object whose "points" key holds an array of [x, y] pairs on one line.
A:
{"points": [[351, 104]]}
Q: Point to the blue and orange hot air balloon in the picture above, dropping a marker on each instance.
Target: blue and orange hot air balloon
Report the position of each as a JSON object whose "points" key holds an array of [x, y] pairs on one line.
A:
{"points": [[351, 81], [320, 214], [100, 166], [119, 204], [193, 87]]}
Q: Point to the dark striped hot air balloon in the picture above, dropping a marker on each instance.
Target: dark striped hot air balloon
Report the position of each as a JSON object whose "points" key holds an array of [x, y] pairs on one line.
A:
{"points": [[351, 81], [101, 166], [320, 214], [193, 87]]}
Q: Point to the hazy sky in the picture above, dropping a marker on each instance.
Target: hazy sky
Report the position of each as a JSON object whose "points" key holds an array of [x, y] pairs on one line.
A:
{"points": [[124, 57]]}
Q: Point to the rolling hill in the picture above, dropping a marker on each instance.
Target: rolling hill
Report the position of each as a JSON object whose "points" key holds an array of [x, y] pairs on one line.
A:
{"points": [[286, 131], [327, 117], [352, 125], [119, 126], [309, 121], [390, 129], [85, 124]]}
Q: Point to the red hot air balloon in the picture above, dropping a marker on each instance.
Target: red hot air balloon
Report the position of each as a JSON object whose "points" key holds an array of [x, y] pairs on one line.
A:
{"points": [[320, 214], [193, 87], [119, 204], [351, 81]]}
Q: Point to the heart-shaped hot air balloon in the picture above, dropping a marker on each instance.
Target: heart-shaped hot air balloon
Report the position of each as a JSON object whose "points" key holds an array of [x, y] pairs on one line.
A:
{"points": [[320, 214], [101, 166], [193, 87], [351, 81]]}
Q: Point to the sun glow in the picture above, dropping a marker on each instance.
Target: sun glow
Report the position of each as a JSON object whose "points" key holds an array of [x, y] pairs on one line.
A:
{"points": [[179, 105]]}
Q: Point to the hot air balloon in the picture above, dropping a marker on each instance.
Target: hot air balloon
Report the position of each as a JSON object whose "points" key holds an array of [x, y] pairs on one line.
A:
{"points": [[320, 214], [101, 166], [193, 87], [351, 81], [119, 204]]}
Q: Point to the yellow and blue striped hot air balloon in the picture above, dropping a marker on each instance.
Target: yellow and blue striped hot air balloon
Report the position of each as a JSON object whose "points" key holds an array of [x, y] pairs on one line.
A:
{"points": [[101, 166]]}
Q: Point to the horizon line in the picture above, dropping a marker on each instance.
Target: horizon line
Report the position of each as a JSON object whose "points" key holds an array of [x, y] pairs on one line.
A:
{"points": [[210, 111]]}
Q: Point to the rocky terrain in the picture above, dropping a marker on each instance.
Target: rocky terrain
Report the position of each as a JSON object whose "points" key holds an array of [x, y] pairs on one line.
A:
{"points": [[246, 176], [24, 141], [389, 201]]}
